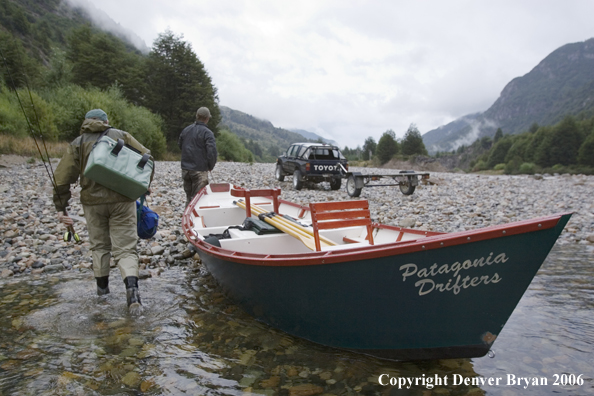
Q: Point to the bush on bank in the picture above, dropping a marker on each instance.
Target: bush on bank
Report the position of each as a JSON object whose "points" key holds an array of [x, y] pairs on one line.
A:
{"points": [[59, 112]]}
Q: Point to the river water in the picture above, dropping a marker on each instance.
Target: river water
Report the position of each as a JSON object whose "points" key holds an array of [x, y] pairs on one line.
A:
{"points": [[58, 338]]}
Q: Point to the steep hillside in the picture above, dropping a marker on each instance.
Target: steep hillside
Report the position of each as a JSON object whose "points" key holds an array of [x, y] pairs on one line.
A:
{"points": [[560, 85], [256, 132], [464, 130], [312, 136], [44, 24]]}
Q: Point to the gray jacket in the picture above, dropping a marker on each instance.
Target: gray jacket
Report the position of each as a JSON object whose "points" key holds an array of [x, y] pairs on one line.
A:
{"points": [[198, 148]]}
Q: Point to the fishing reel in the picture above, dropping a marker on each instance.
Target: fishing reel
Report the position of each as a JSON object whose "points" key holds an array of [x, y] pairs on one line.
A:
{"points": [[71, 235]]}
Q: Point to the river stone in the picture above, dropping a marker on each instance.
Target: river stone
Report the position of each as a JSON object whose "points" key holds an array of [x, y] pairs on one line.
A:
{"points": [[157, 250], [6, 273], [37, 264], [146, 385], [53, 268], [271, 382], [144, 274], [305, 390], [590, 238], [132, 379], [129, 352], [407, 222], [136, 341]]}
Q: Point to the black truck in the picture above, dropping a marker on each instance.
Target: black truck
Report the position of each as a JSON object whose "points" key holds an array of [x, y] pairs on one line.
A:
{"points": [[313, 162]]}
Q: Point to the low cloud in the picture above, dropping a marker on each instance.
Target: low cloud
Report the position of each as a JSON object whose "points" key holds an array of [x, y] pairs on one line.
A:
{"points": [[104, 22]]}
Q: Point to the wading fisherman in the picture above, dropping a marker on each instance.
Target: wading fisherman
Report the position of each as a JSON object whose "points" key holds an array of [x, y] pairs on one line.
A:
{"points": [[198, 154], [110, 216]]}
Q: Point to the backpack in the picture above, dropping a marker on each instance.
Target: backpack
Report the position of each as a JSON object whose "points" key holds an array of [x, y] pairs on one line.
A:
{"points": [[147, 220]]}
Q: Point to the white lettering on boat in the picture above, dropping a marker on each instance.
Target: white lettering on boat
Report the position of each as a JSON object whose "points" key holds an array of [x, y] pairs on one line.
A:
{"points": [[458, 281]]}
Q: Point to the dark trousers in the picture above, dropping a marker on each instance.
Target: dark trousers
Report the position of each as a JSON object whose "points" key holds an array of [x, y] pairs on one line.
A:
{"points": [[194, 181]]}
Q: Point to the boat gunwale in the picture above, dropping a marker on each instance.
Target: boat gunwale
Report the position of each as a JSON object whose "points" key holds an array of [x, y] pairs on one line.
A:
{"points": [[433, 240]]}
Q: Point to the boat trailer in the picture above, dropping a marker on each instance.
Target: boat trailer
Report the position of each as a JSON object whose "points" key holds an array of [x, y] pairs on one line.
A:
{"points": [[407, 180]]}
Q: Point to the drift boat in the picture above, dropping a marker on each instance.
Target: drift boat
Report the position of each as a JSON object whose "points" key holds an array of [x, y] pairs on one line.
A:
{"points": [[327, 273]]}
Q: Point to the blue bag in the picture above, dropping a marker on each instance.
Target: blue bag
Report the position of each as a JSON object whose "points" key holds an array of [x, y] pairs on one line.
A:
{"points": [[147, 220]]}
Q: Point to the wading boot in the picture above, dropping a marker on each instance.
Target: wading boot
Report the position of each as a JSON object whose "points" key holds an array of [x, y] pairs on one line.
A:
{"points": [[132, 295], [102, 285]]}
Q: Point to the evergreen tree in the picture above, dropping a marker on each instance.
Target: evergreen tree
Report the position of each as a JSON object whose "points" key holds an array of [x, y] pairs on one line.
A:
{"points": [[498, 152], [101, 60], [413, 142], [533, 128], [178, 85], [519, 146], [533, 152], [387, 147], [16, 63], [565, 143], [586, 152], [486, 143], [561, 145], [498, 135], [59, 72], [369, 148]]}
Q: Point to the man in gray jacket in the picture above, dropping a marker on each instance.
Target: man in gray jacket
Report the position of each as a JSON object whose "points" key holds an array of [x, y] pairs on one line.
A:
{"points": [[198, 154]]}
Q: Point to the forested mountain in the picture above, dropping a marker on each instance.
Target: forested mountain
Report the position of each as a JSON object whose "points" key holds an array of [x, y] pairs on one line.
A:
{"points": [[59, 53], [261, 137], [561, 84], [42, 25]]}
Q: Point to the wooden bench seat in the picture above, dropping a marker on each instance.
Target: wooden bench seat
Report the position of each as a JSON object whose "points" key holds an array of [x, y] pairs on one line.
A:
{"points": [[343, 214]]}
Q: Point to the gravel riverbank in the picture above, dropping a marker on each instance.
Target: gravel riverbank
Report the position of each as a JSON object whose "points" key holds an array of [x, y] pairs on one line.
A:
{"points": [[31, 238]]}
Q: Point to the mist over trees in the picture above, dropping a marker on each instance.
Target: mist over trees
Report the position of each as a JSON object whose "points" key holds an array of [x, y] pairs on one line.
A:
{"points": [[71, 67], [567, 146]]}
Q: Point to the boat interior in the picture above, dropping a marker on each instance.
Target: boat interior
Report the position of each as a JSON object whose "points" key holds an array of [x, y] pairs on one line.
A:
{"points": [[218, 214]]}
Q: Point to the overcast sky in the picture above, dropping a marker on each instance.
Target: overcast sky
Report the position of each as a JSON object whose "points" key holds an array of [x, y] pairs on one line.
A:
{"points": [[351, 69]]}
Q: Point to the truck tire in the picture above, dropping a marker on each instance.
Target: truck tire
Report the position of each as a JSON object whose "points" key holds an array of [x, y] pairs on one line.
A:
{"points": [[297, 182], [408, 188], [279, 174], [335, 183], [351, 187]]}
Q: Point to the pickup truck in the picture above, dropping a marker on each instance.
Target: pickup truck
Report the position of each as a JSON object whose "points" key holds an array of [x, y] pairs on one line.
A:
{"points": [[313, 162]]}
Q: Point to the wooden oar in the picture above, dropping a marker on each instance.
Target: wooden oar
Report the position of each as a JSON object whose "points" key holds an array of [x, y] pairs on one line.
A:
{"points": [[304, 238], [259, 211], [301, 230]]}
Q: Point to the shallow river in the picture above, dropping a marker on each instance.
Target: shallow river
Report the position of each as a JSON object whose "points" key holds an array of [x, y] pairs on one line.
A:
{"points": [[58, 338]]}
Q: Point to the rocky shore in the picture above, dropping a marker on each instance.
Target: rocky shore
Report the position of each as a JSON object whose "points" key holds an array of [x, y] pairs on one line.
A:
{"points": [[31, 238]]}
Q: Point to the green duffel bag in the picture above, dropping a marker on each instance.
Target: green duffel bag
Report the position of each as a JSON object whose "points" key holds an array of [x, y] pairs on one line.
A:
{"points": [[119, 167]]}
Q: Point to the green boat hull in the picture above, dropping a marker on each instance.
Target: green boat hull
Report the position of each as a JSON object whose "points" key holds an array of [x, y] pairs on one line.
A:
{"points": [[448, 297]]}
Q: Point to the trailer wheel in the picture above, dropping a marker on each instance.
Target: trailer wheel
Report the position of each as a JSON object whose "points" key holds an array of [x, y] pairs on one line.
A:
{"points": [[407, 188], [351, 187], [335, 183], [279, 174], [297, 182]]}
